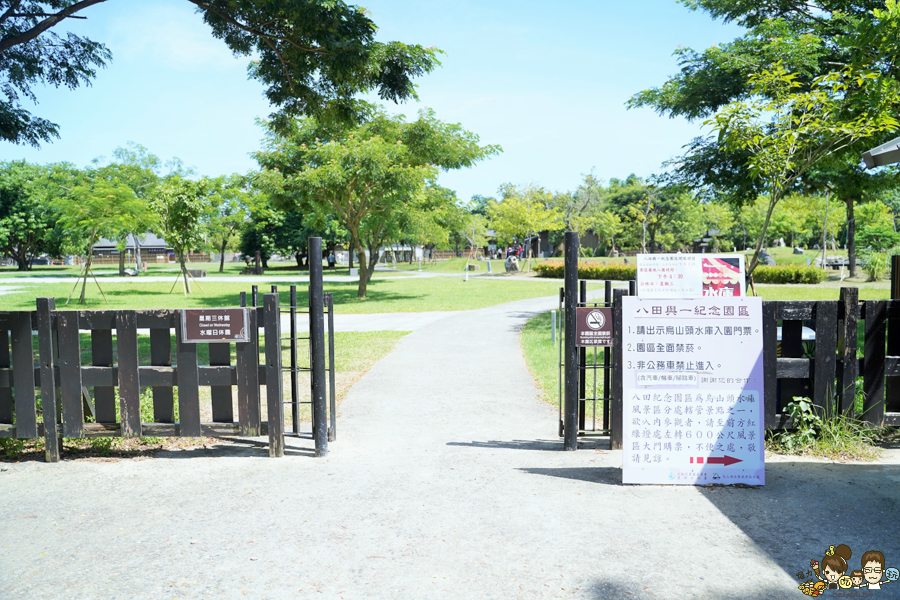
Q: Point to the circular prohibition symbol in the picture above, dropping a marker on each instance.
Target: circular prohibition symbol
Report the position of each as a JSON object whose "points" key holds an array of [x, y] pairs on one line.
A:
{"points": [[596, 320]]}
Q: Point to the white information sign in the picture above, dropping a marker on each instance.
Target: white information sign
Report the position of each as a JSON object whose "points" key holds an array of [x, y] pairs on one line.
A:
{"points": [[690, 275], [692, 390]]}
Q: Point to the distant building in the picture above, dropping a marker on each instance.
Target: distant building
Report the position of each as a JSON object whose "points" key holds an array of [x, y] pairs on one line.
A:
{"points": [[153, 249], [705, 243]]}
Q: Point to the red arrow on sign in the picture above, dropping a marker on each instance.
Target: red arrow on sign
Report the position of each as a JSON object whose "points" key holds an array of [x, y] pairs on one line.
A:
{"points": [[722, 460]]}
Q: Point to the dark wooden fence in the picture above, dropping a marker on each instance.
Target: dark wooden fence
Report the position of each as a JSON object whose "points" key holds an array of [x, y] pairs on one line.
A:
{"points": [[77, 388], [825, 370]]}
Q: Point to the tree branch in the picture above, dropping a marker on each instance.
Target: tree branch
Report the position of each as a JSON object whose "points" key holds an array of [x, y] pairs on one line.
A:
{"points": [[254, 30], [10, 10], [27, 36], [43, 15]]}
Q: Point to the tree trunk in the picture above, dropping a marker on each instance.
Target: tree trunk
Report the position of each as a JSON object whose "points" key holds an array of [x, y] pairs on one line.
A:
{"points": [[825, 238], [363, 270], [350, 255], [851, 236], [184, 274], [87, 268], [137, 253], [22, 261], [222, 258], [373, 260], [762, 235], [122, 262], [299, 260]]}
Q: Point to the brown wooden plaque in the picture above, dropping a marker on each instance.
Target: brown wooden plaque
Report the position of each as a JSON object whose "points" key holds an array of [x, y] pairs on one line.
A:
{"points": [[593, 326], [210, 325]]}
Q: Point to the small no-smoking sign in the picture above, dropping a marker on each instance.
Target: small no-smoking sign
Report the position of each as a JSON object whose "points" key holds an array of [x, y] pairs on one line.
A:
{"points": [[593, 326]]}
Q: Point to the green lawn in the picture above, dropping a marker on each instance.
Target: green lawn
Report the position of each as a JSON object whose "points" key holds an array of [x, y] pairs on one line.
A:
{"points": [[212, 269], [453, 265], [825, 291], [399, 294]]}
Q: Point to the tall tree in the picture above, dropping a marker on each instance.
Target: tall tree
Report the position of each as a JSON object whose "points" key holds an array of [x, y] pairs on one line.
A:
{"points": [[522, 213], [810, 40], [226, 211], [366, 176], [312, 56], [179, 204], [28, 219], [788, 131], [94, 203], [139, 170]]}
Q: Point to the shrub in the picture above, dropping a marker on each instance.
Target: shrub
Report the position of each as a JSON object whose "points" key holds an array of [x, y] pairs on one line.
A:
{"points": [[836, 436], [788, 274], [615, 272], [874, 264]]}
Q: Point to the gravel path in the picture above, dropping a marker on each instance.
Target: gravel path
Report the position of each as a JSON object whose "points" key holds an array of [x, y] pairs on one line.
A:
{"points": [[447, 480]]}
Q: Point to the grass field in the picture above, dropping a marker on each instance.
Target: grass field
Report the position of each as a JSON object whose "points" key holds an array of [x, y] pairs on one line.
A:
{"points": [[212, 269], [453, 265], [398, 294]]}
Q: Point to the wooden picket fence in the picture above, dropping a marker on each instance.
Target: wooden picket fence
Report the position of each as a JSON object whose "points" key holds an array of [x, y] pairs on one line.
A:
{"points": [[825, 370], [60, 375]]}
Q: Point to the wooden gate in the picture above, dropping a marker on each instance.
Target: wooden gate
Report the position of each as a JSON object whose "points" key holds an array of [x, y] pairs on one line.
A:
{"points": [[825, 370], [90, 364]]}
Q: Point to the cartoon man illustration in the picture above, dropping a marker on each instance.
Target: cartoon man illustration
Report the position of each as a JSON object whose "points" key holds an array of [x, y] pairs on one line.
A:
{"points": [[873, 569]]}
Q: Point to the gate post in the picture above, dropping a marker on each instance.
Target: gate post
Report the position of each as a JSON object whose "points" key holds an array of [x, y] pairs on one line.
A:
{"points": [[615, 404], [317, 345], [570, 432], [274, 385], [892, 384], [47, 355]]}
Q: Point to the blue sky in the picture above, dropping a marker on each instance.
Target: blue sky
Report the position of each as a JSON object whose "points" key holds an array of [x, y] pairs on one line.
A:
{"points": [[546, 81]]}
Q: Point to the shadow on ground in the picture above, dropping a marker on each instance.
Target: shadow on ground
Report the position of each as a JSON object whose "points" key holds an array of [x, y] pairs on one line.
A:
{"points": [[804, 508], [669, 588], [213, 447], [510, 444]]}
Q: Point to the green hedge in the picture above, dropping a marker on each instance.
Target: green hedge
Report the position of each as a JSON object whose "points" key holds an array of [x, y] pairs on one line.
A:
{"points": [[788, 274], [617, 272]]}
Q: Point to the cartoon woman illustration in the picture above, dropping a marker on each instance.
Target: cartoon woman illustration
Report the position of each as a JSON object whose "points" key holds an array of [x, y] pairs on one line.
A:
{"points": [[857, 577], [834, 565]]}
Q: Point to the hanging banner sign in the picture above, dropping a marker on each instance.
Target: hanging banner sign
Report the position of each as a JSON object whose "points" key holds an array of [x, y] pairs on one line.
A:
{"points": [[690, 275], [205, 325], [692, 391], [593, 326]]}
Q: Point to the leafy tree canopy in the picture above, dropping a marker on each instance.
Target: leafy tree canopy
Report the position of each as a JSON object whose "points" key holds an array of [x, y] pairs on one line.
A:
{"points": [[28, 219], [367, 176], [314, 57]]}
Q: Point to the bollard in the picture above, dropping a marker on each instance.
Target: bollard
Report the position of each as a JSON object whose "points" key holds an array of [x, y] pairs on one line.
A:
{"points": [[553, 326], [467, 273], [420, 264], [489, 266]]}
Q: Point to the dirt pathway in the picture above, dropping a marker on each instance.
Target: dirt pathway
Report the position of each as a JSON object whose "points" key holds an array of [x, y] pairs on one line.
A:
{"points": [[447, 481]]}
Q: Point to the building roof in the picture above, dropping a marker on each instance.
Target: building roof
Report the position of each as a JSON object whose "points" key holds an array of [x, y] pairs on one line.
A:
{"points": [[148, 240], [885, 154]]}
